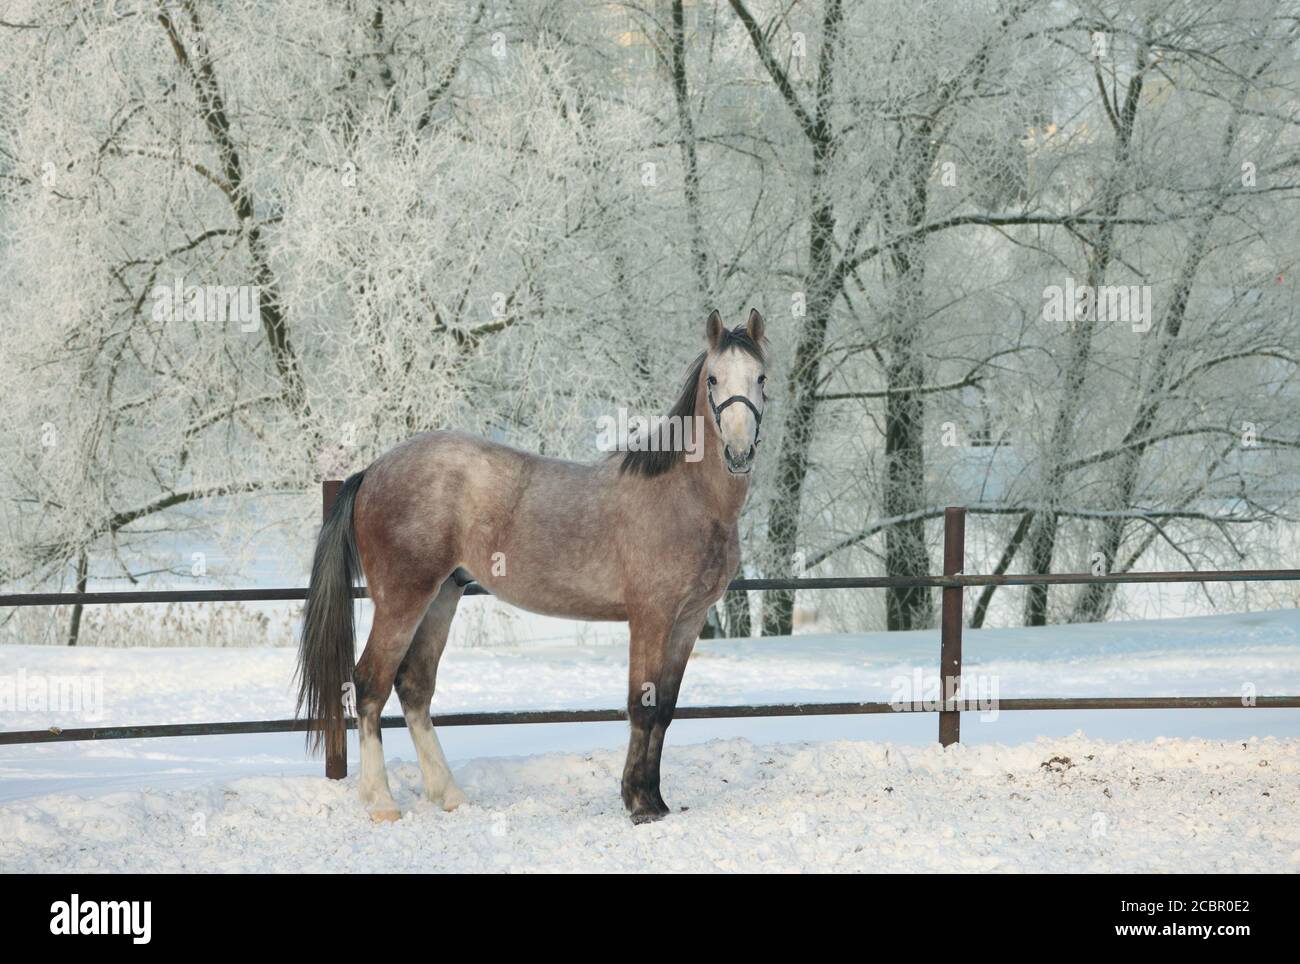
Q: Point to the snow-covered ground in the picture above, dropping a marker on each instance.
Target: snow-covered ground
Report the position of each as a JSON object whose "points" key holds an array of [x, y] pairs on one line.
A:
{"points": [[1051, 805], [1142, 790]]}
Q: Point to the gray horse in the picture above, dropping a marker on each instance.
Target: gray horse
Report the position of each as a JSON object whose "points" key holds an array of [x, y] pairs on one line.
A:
{"points": [[648, 537]]}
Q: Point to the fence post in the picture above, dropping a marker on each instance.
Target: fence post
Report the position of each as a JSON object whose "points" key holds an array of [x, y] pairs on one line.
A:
{"points": [[954, 555], [336, 757]]}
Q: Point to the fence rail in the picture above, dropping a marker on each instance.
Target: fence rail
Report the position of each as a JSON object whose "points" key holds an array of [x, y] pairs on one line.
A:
{"points": [[55, 734], [957, 581], [949, 707]]}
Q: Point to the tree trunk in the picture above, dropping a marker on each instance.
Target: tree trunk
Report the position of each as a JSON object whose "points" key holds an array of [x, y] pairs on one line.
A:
{"points": [[822, 283], [1004, 563], [690, 161], [1095, 600], [799, 415], [213, 109], [904, 479], [74, 628], [1043, 530]]}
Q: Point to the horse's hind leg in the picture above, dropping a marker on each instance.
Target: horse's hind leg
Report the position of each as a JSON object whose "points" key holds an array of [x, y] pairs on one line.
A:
{"points": [[416, 678], [396, 619]]}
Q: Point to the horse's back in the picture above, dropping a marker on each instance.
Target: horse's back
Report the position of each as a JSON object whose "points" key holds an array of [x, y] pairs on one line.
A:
{"points": [[533, 529], [490, 479]]}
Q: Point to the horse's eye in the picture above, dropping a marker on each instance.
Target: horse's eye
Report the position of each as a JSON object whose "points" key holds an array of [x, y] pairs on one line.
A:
{"points": [[712, 380], [762, 379]]}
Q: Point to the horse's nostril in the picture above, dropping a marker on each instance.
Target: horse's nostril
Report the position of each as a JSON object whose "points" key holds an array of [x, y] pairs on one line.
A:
{"points": [[737, 460]]}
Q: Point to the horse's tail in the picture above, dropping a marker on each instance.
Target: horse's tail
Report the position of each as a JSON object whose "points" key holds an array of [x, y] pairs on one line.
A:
{"points": [[326, 654]]}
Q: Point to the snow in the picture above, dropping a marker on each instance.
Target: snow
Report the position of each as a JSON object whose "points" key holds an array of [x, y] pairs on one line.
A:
{"points": [[1052, 805], [1142, 790]]}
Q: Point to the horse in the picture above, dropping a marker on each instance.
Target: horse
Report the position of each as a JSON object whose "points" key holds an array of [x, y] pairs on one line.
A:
{"points": [[648, 537]]}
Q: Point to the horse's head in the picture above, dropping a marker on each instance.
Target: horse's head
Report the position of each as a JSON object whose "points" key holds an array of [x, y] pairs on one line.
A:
{"points": [[734, 373]]}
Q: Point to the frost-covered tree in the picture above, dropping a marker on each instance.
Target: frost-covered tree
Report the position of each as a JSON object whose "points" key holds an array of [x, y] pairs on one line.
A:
{"points": [[246, 245]]}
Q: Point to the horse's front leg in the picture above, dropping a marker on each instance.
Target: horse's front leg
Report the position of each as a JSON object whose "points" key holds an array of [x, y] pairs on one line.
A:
{"points": [[681, 642], [646, 657]]}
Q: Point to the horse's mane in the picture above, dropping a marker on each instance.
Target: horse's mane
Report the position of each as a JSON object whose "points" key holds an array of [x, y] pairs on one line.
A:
{"points": [[651, 464]]}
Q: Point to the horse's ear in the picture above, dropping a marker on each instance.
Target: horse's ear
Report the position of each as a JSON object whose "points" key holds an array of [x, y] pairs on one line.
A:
{"points": [[713, 327], [756, 326]]}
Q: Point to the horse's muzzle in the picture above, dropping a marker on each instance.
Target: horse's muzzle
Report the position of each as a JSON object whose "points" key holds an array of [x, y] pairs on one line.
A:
{"points": [[738, 464]]}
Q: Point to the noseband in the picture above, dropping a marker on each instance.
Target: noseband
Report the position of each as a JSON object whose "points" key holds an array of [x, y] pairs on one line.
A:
{"points": [[743, 399]]}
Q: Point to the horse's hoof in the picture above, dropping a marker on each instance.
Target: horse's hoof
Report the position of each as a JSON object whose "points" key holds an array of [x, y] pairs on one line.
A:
{"points": [[453, 798], [647, 815], [386, 815]]}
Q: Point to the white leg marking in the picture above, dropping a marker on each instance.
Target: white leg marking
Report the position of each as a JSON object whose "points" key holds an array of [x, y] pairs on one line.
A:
{"points": [[439, 785], [373, 783]]}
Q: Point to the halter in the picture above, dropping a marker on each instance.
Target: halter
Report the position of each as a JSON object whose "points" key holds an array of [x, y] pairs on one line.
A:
{"points": [[744, 399]]}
